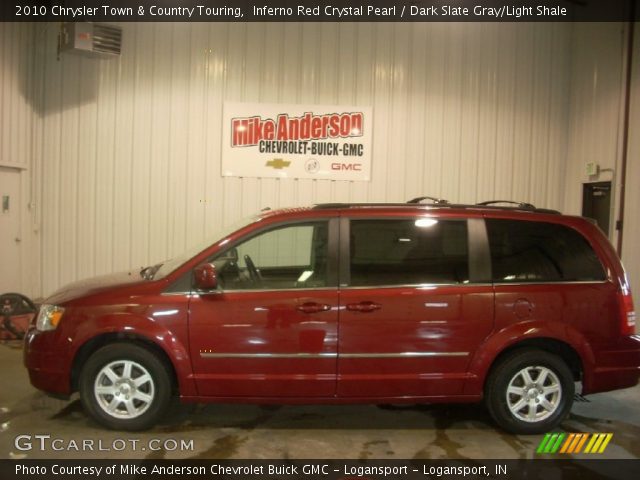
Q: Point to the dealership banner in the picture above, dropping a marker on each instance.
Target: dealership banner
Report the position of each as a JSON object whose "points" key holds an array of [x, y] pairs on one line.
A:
{"points": [[296, 141]]}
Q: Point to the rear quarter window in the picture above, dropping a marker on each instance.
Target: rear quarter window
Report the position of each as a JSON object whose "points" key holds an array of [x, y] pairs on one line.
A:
{"points": [[524, 251]]}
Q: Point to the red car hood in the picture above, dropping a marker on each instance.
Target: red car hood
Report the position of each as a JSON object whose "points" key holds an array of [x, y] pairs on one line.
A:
{"points": [[93, 285]]}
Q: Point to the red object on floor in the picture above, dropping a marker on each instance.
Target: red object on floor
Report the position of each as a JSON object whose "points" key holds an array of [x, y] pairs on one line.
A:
{"points": [[18, 324]]}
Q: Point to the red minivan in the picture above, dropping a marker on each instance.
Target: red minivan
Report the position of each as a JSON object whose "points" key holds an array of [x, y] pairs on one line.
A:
{"points": [[353, 303]]}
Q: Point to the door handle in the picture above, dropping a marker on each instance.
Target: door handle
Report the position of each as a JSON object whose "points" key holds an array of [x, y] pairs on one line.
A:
{"points": [[313, 307], [363, 307]]}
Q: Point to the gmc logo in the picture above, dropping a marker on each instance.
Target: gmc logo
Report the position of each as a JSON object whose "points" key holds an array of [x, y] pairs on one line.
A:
{"points": [[356, 167]]}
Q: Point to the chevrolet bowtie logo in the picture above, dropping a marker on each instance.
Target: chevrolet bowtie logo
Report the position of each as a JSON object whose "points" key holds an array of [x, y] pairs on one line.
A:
{"points": [[278, 163]]}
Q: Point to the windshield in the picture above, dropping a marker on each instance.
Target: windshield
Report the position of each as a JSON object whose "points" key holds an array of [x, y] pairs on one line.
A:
{"points": [[169, 266]]}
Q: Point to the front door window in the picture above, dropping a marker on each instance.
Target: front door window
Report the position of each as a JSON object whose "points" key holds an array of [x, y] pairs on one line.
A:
{"points": [[291, 257]]}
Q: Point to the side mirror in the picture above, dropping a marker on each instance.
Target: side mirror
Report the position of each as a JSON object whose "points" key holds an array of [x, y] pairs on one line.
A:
{"points": [[205, 277]]}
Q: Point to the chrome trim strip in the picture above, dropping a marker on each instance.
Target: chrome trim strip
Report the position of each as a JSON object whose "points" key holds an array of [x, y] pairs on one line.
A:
{"points": [[558, 282], [333, 355], [426, 286], [404, 355], [267, 355]]}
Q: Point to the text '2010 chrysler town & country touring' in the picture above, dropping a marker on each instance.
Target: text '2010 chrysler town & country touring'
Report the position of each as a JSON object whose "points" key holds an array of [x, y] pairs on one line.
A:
{"points": [[353, 303]]}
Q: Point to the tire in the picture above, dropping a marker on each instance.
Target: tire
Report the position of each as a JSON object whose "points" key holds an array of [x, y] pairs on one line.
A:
{"points": [[522, 404], [125, 387]]}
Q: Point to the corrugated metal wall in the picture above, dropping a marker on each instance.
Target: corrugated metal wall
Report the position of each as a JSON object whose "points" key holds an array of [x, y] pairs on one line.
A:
{"points": [[17, 125], [631, 239], [595, 127], [16, 114], [129, 149]]}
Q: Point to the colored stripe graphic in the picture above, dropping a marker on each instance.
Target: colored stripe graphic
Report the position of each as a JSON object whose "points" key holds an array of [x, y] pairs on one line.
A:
{"points": [[550, 443], [556, 445], [567, 442], [573, 443], [543, 443], [593, 439], [577, 439], [582, 441], [606, 441]]}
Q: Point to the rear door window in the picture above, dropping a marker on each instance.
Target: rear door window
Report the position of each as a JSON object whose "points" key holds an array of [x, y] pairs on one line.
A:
{"points": [[408, 252], [523, 251]]}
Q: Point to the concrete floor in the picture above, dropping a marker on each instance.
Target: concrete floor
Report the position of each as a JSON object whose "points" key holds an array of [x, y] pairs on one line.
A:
{"points": [[272, 432]]}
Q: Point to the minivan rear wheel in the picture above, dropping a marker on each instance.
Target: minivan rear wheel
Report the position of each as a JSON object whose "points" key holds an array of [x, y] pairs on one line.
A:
{"points": [[530, 391], [125, 387]]}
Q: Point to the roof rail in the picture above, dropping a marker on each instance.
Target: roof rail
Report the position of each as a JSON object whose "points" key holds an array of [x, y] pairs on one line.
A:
{"points": [[321, 206], [524, 205], [516, 205], [485, 205], [437, 201]]}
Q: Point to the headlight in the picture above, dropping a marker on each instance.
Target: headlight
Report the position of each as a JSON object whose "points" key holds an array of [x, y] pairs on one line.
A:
{"points": [[49, 317]]}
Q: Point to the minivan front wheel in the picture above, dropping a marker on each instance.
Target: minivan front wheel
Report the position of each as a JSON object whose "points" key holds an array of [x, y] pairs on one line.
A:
{"points": [[125, 387], [530, 392]]}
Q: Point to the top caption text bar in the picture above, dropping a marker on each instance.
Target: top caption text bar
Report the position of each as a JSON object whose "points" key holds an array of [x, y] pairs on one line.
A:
{"points": [[315, 11]]}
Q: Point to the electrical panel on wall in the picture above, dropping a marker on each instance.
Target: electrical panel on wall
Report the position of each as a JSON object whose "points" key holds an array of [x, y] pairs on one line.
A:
{"points": [[96, 40]]}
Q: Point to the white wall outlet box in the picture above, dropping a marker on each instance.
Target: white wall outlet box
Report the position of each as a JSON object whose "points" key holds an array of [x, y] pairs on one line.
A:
{"points": [[593, 168]]}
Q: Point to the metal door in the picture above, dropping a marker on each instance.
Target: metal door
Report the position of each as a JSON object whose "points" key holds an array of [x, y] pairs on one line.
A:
{"points": [[10, 273], [414, 307], [276, 335], [596, 203]]}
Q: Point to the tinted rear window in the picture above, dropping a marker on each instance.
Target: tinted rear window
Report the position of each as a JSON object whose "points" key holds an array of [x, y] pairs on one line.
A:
{"points": [[408, 252], [524, 251]]}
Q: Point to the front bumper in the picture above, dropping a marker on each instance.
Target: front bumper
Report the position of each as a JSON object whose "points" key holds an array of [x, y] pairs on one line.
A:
{"points": [[615, 368], [46, 362]]}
